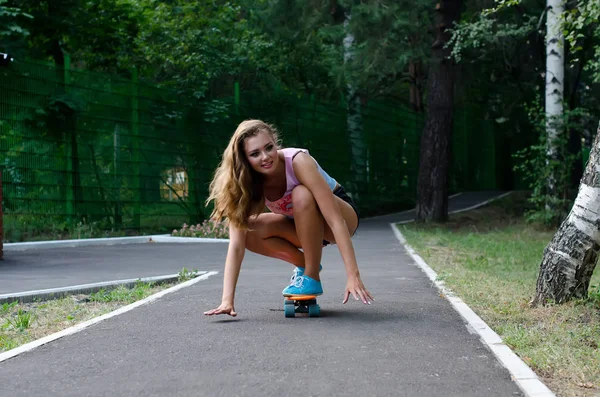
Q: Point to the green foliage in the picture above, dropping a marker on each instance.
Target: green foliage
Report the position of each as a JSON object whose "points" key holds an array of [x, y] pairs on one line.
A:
{"points": [[22, 320], [295, 57], [23, 226], [8, 21], [185, 274], [98, 34], [311, 54], [534, 162], [7, 343], [188, 45], [502, 55], [389, 35], [594, 295], [84, 230], [500, 5], [506, 43], [581, 23], [6, 307], [485, 35]]}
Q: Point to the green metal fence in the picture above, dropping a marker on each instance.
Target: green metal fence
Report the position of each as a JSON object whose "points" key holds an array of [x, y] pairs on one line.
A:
{"points": [[85, 152]]}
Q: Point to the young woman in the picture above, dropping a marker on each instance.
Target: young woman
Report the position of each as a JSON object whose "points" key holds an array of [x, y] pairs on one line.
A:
{"points": [[309, 210]]}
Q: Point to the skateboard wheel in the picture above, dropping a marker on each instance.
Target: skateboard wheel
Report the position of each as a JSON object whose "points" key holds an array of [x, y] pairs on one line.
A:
{"points": [[289, 309], [314, 311]]}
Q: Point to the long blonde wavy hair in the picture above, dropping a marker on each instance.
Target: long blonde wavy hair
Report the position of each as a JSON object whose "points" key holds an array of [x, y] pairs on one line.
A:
{"points": [[236, 189]]}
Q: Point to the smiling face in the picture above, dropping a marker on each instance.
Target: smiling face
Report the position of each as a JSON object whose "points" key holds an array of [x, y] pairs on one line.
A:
{"points": [[261, 152]]}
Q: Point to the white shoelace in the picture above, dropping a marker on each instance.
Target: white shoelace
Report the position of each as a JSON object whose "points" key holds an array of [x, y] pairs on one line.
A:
{"points": [[294, 275], [298, 281]]}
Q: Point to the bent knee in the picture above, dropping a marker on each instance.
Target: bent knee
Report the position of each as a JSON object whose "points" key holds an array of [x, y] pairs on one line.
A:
{"points": [[302, 198]]}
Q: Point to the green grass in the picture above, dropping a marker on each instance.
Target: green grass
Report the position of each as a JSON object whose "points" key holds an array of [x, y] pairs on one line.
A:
{"points": [[21, 323], [490, 258], [123, 294]]}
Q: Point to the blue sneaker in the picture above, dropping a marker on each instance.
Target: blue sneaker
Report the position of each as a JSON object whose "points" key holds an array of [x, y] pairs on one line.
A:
{"points": [[299, 271], [303, 285]]}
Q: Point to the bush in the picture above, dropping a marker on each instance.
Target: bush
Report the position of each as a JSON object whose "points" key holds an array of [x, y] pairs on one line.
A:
{"points": [[208, 228]]}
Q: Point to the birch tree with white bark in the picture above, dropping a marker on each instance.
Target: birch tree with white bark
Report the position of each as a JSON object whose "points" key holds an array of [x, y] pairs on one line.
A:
{"points": [[555, 72], [570, 258]]}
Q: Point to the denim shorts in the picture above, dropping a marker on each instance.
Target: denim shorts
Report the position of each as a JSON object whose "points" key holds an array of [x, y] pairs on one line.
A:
{"points": [[341, 193]]}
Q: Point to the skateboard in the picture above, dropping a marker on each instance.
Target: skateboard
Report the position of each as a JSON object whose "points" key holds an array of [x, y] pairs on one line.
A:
{"points": [[301, 304]]}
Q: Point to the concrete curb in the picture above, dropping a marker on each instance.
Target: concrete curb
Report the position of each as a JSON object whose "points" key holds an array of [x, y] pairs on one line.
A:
{"points": [[85, 289], [523, 376], [81, 326], [159, 238]]}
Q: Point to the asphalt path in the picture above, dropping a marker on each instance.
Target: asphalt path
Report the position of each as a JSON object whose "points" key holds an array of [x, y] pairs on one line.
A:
{"points": [[409, 342], [47, 268]]}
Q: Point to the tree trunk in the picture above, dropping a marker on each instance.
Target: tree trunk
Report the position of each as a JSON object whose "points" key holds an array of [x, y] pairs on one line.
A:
{"points": [[414, 71], [570, 258], [432, 185], [555, 71]]}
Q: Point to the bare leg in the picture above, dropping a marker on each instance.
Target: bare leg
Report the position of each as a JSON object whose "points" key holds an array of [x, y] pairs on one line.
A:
{"points": [[310, 227], [275, 236]]}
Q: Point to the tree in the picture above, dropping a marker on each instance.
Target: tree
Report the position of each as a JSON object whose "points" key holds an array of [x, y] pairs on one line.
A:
{"points": [[381, 53], [363, 49], [99, 35], [570, 258], [12, 34], [503, 50], [200, 48], [355, 126], [555, 71], [434, 162]]}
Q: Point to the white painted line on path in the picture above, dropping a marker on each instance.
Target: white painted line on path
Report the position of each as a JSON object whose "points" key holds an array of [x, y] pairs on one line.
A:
{"points": [[81, 326], [523, 376]]}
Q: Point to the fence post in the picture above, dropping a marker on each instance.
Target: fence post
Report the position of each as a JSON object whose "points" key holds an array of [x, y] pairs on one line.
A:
{"points": [[68, 148], [135, 132]]}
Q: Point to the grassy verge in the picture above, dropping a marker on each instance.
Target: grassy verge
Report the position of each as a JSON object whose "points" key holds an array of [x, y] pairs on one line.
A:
{"points": [[21, 323], [490, 258]]}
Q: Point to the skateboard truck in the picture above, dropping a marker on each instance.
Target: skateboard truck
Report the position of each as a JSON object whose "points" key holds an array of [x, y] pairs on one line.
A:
{"points": [[301, 304]]}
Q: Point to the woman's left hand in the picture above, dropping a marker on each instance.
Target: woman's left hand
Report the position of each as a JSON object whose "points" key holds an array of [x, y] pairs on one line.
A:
{"points": [[358, 290]]}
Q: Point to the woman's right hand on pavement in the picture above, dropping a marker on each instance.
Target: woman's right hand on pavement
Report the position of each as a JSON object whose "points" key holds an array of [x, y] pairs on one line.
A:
{"points": [[224, 308]]}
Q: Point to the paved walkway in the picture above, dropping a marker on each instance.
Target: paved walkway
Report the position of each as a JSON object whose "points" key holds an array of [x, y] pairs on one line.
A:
{"points": [[410, 342], [47, 268]]}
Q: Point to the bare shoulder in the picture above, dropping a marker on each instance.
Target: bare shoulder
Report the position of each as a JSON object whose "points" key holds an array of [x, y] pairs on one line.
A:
{"points": [[307, 171], [303, 160]]}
